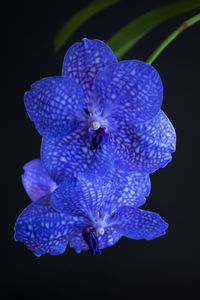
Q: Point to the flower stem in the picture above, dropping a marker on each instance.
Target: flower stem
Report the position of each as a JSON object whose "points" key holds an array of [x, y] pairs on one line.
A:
{"points": [[172, 36]]}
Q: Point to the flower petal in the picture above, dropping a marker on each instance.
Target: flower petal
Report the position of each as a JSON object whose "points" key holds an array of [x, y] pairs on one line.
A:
{"points": [[71, 155], [128, 188], [43, 230], [36, 181], [80, 196], [55, 105], [77, 242], [97, 198], [146, 147], [132, 90], [84, 60], [109, 238], [131, 188], [138, 224]]}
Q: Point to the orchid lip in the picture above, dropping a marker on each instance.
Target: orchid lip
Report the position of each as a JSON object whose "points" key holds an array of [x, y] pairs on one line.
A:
{"points": [[99, 138], [92, 241]]}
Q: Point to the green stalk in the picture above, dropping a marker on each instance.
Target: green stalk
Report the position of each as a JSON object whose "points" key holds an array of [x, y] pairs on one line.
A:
{"points": [[172, 36]]}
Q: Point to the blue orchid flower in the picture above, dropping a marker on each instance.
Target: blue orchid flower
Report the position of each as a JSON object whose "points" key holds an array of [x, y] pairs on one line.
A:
{"points": [[100, 104], [88, 215]]}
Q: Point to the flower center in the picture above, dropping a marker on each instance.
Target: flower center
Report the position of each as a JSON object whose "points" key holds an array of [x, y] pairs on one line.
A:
{"points": [[92, 241], [95, 125], [99, 230]]}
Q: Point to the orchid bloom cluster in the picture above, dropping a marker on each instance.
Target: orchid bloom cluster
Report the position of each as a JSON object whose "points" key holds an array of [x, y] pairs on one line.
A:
{"points": [[103, 133]]}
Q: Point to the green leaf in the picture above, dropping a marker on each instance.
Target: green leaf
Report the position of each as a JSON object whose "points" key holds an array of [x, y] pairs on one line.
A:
{"points": [[128, 36], [173, 36], [78, 19]]}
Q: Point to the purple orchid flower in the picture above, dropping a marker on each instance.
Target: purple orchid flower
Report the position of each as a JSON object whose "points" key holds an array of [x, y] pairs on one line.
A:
{"points": [[88, 215], [100, 111]]}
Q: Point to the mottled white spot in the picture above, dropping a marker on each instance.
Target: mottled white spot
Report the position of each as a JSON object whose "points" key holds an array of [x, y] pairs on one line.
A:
{"points": [[84, 149], [137, 149], [63, 159], [93, 69], [133, 72], [151, 154]]}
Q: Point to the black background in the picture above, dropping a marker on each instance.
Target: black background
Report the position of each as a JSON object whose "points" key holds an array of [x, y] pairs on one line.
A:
{"points": [[163, 268]]}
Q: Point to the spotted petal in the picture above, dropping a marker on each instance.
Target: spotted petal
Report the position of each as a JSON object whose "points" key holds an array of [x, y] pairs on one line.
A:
{"points": [[100, 198], [128, 188], [84, 60], [77, 242], [145, 147], [110, 237], [80, 196], [138, 224], [131, 188], [36, 181], [71, 155], [132, 90], [55, 105], [43, 230]]}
